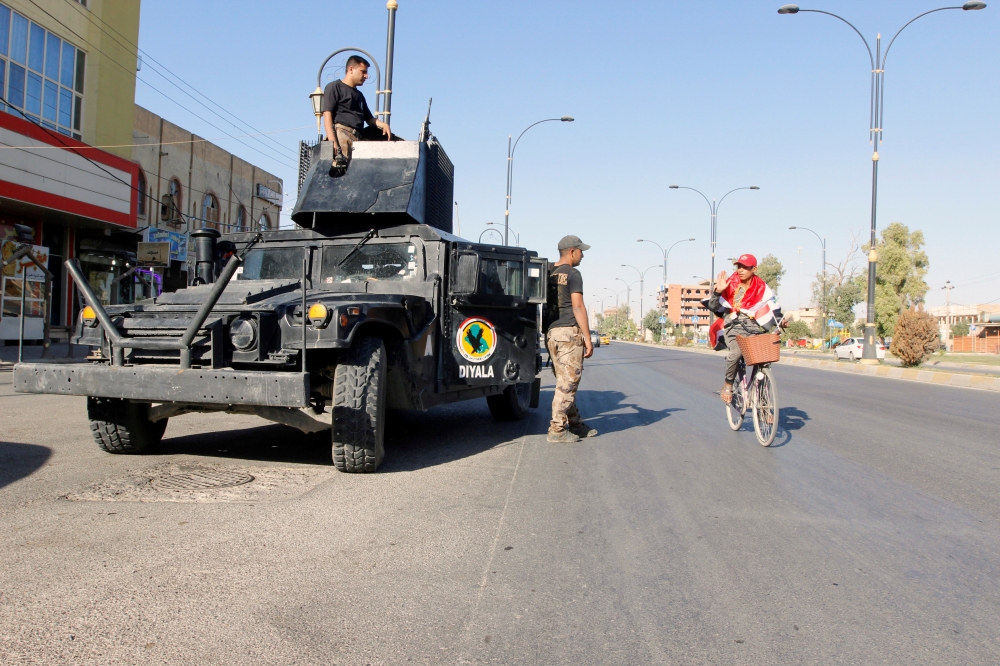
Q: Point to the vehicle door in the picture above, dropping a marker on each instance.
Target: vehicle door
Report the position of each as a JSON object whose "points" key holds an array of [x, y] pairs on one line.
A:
{"points": [[492, 323]]}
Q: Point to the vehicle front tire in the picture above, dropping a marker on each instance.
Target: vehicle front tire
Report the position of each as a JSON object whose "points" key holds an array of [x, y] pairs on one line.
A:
{"points": [[359, 385], [511, 405], [120, 426]]}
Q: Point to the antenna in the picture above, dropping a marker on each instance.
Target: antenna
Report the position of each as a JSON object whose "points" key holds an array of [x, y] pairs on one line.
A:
{"points": [[391, 5], [425, 128]]}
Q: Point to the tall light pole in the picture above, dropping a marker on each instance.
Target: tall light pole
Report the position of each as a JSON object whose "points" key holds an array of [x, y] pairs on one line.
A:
{"points": [[822, 242], [628, 290], [713, 207], [510, 168], [666, 254], [642, 284], [599, 298], [875, 126]]}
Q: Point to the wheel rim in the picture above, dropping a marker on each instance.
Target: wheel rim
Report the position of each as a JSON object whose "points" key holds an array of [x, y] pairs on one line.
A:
{"points": [[734, 410], [765, 412]]}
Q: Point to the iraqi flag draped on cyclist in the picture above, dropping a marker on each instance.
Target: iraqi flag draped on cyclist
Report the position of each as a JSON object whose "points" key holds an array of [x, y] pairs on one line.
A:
{"points": [[759, 303]]}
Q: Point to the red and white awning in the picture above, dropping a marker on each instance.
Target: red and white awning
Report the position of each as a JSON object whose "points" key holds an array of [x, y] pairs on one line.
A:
{"points": [[65, 175]]}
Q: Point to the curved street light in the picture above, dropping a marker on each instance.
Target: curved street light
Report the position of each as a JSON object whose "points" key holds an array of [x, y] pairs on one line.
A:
{"points": [[713, 207], [822, 242], [875, 126], [517, 236], [485, 231], [510, 168], [642, 281], [616, 293]]}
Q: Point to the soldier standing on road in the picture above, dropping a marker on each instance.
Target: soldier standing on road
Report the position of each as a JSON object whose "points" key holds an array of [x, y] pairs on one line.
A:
{"points": [[345, 108], [568, 341]]}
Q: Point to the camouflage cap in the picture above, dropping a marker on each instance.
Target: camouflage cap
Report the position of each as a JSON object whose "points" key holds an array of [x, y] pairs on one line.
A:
{"points": [[570, 242]]}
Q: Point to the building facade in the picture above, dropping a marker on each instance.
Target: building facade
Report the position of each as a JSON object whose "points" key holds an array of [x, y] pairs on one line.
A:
{"points": [[85, 169], [682, 303]]}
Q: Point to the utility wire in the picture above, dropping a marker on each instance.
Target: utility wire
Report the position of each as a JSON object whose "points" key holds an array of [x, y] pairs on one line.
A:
{"points": [[157, 143], [90, 16], [134, 75]]}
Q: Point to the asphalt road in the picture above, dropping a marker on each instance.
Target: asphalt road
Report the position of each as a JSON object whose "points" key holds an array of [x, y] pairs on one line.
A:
{"points": [[868, 534]]}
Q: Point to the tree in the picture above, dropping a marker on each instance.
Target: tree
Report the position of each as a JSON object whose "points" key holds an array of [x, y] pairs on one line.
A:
{"points": [[770, 271], [899, 276], [960, 329], [915, 337], [796, 331], [845, 286], [651, 320]]}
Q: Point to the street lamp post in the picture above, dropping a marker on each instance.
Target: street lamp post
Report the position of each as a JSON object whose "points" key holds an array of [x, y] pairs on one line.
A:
{"points": [[617, 294], [822, 242], [875, 126], [517, 236], [713, 207], [642, 283], [601, 299], [510, 168], [485, 231], [666, 254]]}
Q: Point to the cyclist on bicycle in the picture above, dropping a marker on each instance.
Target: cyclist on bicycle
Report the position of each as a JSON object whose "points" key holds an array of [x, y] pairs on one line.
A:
{"points": [[747, 307]]}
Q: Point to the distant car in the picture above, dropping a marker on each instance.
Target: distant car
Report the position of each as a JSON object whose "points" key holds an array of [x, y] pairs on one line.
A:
{"points": [[605, 339], [853, 348], [595, 339]]}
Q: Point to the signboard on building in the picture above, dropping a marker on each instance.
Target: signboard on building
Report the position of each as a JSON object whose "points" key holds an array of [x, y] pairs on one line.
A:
{"points": [[153, 254], [177, 240], [268, 194]]}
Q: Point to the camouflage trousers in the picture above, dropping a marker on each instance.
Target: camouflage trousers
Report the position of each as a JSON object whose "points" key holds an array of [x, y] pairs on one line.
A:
{"points": [[565, 345], [346, 137]]}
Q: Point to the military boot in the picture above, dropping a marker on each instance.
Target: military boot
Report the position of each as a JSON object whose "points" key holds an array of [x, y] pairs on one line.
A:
{"points": [[582, 430], [562, 437]]}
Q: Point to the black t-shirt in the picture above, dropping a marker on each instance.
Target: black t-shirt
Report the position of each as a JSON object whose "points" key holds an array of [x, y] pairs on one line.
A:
{"points": [[347, 105], [567, 281]]}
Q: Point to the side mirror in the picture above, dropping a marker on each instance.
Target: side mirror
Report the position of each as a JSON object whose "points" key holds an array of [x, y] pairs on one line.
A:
{"points": [[465, 276]]}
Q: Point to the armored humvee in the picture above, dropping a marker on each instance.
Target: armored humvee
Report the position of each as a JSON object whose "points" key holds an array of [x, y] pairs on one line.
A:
{"points": [[369, 304]]}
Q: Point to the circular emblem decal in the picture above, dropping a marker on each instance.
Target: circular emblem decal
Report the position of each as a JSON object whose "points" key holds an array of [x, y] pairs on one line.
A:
{"points": [[476, 339]]}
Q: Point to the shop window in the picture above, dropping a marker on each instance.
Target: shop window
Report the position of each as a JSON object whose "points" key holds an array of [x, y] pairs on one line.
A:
{"points": [[141, 206], [210, 211], [44, 78]]}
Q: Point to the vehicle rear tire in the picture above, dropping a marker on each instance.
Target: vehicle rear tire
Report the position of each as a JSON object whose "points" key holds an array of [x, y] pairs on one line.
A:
{"points": [[734, 410], [359, 385], [511, 405], [120, 426], [765, 408]]}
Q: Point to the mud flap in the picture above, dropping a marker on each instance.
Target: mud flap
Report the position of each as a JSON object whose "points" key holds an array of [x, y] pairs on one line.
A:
{"points": [[536, 389]]}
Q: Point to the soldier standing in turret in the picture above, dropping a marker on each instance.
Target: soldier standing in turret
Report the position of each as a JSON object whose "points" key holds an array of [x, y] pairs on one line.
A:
{"points": [[345, 109]]}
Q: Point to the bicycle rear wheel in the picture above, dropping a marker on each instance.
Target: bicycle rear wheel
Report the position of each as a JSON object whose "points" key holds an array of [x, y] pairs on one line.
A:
{"points": [[737, 405], [765, 407]]}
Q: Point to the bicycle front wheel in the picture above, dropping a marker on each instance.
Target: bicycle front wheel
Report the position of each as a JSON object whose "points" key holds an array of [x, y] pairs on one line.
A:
{"points": [[765, 407]]}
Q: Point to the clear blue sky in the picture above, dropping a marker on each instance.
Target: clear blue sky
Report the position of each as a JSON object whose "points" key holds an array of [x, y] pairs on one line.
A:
{"points": [[714, 95]]}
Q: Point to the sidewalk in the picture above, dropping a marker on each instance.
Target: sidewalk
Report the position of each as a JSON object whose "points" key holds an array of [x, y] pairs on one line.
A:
{"points": [[57, 354], [942, 377]]}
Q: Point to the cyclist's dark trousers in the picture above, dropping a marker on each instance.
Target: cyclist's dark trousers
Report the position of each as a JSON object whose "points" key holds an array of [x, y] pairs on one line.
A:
{"points": [[742, 327]]}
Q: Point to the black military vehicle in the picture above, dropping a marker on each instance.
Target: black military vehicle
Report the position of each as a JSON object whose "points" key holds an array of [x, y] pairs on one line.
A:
{"points": [[370, 304]]}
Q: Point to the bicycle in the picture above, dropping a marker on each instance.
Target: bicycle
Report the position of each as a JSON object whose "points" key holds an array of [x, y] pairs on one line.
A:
{"points": [[758, 393]]}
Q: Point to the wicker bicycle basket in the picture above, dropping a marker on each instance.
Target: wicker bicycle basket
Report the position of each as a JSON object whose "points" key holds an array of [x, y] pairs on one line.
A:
{"points": [[757, 349]]}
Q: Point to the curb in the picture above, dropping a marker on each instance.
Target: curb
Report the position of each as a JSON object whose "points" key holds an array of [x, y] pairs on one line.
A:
{"points": [[956, 379]]}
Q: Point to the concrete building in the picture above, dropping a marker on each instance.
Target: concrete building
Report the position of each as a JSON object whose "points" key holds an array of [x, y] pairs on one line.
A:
{"points": [[682, 303], [70, 172], [984, 325], [808, 316]]}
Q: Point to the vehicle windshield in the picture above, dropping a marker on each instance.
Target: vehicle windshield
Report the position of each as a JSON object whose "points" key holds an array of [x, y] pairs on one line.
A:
{"points": [[374, 261], [272, 263]]}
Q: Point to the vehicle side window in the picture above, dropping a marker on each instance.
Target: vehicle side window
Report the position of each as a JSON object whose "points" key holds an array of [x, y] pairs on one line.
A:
{"points": [[501, 277]]}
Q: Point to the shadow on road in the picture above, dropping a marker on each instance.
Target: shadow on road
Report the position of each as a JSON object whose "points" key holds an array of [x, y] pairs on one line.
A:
{"points": [[413, 440], [20, 460], [789, 420], [596, 408]]}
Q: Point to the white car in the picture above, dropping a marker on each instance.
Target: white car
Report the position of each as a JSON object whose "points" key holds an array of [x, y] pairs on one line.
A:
{"points": [[853, 348]]}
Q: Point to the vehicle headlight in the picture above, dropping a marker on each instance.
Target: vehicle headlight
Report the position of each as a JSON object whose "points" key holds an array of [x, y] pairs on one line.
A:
{"points": [[318, 315], [243, 334]]}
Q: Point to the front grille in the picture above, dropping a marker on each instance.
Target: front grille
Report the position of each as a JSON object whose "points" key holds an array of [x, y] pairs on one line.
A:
{"points": [[206, 348]]}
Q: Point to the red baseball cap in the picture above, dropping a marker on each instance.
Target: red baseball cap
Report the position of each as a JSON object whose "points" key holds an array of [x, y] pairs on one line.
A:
{"points": [[747, 260]]}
